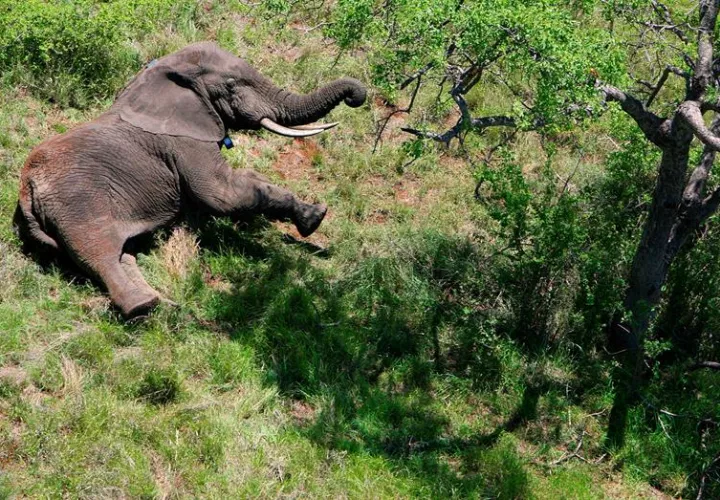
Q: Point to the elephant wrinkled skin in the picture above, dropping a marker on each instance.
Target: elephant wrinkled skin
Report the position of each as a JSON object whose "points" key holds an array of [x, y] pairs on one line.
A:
{"points": [[156, 154]]}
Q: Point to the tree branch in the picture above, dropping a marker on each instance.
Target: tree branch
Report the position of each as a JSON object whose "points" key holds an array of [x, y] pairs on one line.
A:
{"points": [[691, 112], [698, 178], [712, 365], [663, 78], [655, 128], [703, 68], [386, 120], [664, 13], [478, 124], [673, 28], [703, 477], [417, 75], [692, 219]]}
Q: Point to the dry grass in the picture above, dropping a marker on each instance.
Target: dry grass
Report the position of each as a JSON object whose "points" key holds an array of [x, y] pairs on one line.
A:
{"points": [[179, 252]]}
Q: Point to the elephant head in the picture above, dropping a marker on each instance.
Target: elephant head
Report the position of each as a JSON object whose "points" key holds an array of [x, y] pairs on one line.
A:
{"points": [[202, 91]]}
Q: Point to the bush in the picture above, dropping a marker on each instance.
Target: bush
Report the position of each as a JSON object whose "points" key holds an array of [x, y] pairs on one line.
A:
{"points": [[74, 52]]}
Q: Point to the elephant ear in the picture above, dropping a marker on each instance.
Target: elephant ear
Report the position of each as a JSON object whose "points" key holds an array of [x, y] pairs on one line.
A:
{"points": [[166, 99]]}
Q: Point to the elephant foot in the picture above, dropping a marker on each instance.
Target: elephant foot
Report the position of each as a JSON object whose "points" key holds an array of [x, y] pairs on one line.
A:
{"points": [[140, 305], [309, 218]]}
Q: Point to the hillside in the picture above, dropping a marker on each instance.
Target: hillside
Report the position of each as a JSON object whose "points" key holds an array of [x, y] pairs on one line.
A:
{"points": [[406, 349]]}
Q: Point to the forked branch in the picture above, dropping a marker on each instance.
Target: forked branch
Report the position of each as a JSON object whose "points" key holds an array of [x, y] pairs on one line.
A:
{"points": [[703, 73], [668, 25], [698, 178], [663, 78], [477, 124], [654, 127], [691, 112]]}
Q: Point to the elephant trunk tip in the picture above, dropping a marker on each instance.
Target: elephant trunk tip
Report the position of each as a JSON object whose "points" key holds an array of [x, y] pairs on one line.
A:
{"points": [[357, 93]]}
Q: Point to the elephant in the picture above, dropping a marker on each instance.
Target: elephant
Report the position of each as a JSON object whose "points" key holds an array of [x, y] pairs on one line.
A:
{"points": [[155, 155]]}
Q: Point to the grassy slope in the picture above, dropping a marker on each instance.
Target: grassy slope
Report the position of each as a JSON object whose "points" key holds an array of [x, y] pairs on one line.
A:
{"points": [[285, 370]]}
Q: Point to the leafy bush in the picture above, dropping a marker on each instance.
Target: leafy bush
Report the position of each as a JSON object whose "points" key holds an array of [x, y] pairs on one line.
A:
{"points": [[73, 52]]}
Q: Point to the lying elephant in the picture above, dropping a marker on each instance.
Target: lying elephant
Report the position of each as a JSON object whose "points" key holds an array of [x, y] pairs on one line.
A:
{"points": [[156, 154]]}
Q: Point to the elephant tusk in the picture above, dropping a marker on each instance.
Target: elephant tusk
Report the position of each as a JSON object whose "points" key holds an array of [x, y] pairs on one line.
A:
{"points": [[288, 132], [324, 126]]}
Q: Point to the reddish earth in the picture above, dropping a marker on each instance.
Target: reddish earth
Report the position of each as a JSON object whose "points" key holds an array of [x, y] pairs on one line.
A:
{"points": [[216, 283], [295, 161], [406, 192], [13, 375], [250, 144], [377, 217]]}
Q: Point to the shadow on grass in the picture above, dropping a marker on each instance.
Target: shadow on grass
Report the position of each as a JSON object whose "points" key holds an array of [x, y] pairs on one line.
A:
{"points": [[366, 343], [364, 340]]}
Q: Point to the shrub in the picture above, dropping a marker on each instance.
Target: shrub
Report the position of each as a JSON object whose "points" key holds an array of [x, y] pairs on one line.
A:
{"points": [[72, 52]]}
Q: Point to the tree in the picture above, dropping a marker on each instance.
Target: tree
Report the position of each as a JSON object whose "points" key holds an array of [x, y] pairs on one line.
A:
{"points": [[540, 55], [553, 63], [681, 201]]}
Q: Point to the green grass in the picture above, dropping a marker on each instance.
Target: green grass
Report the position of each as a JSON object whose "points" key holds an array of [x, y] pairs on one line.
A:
{"points": [[369, 362]]}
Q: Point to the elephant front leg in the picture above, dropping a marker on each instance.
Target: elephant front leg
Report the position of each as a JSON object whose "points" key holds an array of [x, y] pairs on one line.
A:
{"points": [[277, 203], [239, 193]]}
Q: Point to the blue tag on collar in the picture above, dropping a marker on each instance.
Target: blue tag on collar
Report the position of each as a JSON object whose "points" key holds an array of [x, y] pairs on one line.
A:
{"points": [[151, 64], [227, 142]]}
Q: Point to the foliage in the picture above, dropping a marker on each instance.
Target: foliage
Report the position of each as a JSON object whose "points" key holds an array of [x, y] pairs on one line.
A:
{"points": [[543, 55], [69, 51], [550, 232]]}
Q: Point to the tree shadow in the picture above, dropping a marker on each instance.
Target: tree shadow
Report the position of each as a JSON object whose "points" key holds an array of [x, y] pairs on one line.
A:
{"points": [[367, 345]]}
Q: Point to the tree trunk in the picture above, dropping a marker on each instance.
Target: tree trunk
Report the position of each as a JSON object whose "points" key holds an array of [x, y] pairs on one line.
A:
{"points": [[659, 245]]}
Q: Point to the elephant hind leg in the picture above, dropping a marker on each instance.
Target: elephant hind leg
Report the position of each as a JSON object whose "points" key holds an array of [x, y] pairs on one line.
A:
{"points": [[117, 271], [132, 271], [131, 297]]}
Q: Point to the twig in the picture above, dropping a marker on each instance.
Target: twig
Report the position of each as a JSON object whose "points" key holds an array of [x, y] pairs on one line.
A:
{"points": [[570, 177], [416, 76], [704, 475], [313, 28], [409, 107], [574, 453], [663, 78]]}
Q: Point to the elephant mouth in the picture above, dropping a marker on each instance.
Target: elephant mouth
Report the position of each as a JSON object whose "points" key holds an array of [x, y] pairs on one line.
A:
{"points": [[298, 131]]}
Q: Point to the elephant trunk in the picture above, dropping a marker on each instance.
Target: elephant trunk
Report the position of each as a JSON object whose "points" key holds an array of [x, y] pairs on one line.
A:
{"points": [[294, 109]]}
